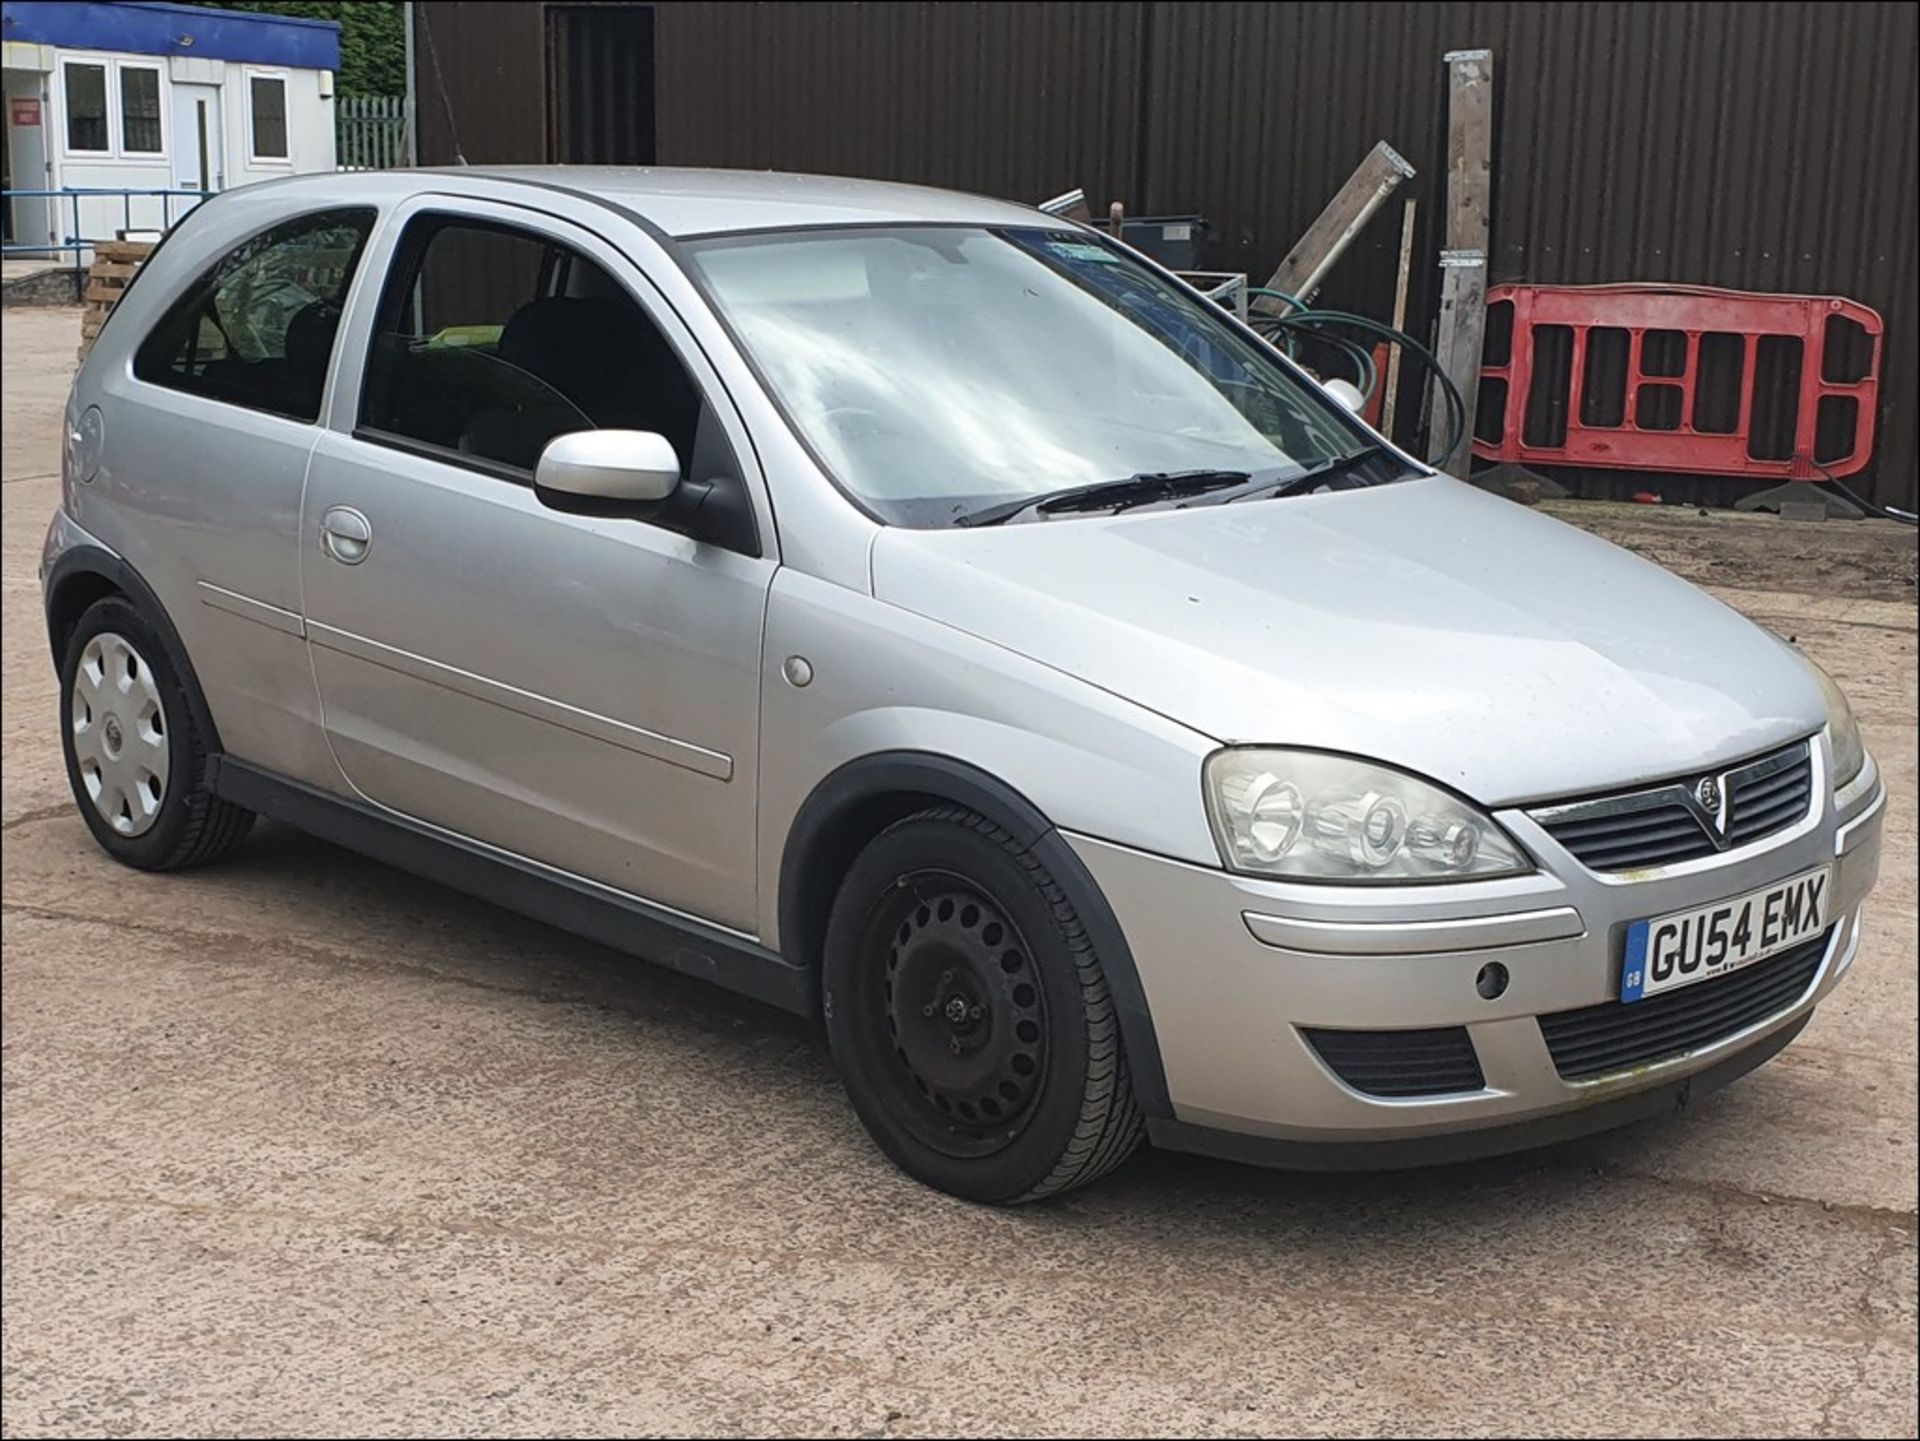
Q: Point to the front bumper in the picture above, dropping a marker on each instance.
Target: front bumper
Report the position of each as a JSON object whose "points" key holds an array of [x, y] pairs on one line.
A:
{"points": [[1233, 969]]}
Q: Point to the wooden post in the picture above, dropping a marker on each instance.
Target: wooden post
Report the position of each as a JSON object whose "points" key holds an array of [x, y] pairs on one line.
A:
{"points": [[1399, 314], [1463, 258], [1346, 215]]}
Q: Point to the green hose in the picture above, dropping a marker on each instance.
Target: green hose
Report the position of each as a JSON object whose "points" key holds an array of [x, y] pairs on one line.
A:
{"points": [[1368, 372], [1304, 319]]}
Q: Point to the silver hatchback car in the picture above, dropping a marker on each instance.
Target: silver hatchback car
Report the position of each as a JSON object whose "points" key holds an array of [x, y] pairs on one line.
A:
{"points": [[912, 609]]}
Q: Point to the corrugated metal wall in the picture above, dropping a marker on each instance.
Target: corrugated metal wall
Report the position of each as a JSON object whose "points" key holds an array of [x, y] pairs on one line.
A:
{"points": [[596, 113], [1761, 146], [1764, 147], [479, 72], [1010, 99]]}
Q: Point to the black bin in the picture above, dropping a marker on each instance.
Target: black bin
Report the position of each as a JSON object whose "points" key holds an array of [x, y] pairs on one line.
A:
{"points": [[1173, 240]]}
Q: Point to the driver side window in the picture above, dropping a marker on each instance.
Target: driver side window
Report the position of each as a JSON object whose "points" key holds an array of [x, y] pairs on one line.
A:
{"points": [[491, 341]]}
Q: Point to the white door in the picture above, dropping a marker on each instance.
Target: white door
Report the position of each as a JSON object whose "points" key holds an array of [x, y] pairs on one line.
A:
{"points": [[199, 158], [29, 220]]}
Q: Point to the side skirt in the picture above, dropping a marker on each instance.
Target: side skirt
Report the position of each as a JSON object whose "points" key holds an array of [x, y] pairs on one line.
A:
{"points": [[625, 923]]}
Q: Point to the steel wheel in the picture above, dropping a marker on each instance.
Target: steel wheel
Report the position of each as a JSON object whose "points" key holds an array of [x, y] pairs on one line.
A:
{"points": [[119, 734], [963, 1015], [968, 1015]]}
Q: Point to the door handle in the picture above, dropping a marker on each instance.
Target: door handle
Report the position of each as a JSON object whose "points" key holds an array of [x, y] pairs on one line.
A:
{"points": [[345, 535]]}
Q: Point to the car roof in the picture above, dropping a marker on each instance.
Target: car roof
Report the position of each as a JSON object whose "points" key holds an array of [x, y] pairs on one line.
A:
{"points": [[704, 202]]}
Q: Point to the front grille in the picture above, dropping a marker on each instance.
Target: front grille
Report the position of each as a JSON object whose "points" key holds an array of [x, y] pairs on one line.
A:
{"points": [[1611, 1037], [1762, 802], [1660, 835], [1401, 1063], [1667, 824]]}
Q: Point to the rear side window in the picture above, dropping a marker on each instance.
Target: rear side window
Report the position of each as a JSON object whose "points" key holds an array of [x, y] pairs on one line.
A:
{"points": [[258, 328], [491, 341]]}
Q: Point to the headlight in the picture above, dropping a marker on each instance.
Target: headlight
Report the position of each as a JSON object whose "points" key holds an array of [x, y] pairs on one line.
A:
{"points": [[1309, 816], [1849, 753]]}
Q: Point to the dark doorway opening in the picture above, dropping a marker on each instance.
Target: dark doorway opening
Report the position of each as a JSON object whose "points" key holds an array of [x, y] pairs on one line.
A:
{"points": [[600, 84]]}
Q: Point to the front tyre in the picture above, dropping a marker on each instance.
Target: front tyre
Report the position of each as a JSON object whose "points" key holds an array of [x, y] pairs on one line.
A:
{"points": [[969, 1017], [137, 762]]}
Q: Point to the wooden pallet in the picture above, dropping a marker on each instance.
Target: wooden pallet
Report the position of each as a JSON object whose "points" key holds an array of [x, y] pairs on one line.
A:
{"points": [[115, 262]]}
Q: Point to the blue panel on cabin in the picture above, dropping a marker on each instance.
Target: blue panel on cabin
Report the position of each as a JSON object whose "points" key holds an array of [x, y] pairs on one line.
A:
{"points": [[155, 29]]}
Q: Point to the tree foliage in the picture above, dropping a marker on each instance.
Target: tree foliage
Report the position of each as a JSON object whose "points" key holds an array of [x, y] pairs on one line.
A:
{"points": [[373, 38]]}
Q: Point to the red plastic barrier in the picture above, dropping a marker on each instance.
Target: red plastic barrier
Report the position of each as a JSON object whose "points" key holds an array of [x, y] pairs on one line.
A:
{"points": [[1680, 378]]}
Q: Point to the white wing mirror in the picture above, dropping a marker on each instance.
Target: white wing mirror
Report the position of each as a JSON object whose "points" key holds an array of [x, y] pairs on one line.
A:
{"points": [[636, 466], [1347, 393]]}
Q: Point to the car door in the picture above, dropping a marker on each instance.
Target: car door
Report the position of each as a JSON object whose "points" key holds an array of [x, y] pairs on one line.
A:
{"points": [[581, 690], [204, 435]]}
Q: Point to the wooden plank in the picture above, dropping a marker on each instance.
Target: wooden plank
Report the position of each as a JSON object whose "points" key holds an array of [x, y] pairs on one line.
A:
{"points": [[115, 263], [1463, 260], [1463, 314], [1399, 312], [1346, 215]]}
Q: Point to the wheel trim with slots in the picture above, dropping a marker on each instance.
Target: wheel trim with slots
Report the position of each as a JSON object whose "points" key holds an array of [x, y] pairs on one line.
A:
{"points": [[120, 731], [959, 1012]]}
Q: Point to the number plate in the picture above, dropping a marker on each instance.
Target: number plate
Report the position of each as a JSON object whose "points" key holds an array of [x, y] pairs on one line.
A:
{"points": [[1668, 952]]}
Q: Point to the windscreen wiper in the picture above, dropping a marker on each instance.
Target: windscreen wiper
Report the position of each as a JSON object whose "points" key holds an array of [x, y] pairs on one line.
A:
{"points": [[1115, 495], [1306, 479]]}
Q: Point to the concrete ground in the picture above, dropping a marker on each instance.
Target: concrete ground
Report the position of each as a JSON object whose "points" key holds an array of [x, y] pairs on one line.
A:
{"points": [[301, 1145]]}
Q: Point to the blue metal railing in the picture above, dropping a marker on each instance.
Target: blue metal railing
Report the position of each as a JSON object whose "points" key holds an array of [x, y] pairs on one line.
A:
{"points": [[77, 241]]}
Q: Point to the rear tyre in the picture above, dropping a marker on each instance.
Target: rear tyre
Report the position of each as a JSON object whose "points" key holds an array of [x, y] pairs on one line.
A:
{"points": [[969, 1017], [136, 760]]}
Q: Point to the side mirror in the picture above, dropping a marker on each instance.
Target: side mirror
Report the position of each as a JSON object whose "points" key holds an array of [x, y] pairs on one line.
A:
{"points": [[606, 470], [1347, 393]]}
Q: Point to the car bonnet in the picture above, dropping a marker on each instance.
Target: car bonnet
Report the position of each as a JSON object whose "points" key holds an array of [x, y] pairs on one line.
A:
{"points": [[1425, 623]]}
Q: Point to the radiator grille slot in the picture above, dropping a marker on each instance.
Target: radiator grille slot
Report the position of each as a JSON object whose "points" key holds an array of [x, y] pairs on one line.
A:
{"points": [[1595, 1040], [1401, 1063]]}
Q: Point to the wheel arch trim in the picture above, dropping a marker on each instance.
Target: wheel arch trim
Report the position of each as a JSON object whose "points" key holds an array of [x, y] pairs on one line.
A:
{"points": [[819, 847], [90, 559]]}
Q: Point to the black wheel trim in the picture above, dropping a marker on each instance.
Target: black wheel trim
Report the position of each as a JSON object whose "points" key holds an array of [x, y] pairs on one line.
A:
{"points": [[954, 1017]]}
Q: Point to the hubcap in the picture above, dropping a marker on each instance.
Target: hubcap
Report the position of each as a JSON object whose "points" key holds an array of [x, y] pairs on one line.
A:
{"points": [[964, 1013], [119, 734]]}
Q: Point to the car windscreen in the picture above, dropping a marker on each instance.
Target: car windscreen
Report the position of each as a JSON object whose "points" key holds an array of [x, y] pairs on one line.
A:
{"points": [[934, 370]]}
